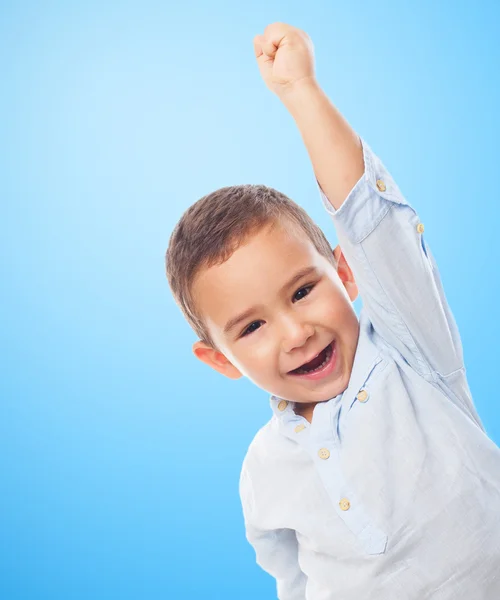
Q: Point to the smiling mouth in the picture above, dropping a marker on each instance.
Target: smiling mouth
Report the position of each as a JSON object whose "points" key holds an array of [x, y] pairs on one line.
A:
{"points": [[317, 363]]}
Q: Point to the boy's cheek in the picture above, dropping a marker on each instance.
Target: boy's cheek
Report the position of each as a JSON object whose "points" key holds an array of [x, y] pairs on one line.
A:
{"points": [[259, 370]]}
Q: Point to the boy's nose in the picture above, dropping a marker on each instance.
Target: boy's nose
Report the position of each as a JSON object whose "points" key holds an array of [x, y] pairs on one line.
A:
{"points": [[295, 334]]}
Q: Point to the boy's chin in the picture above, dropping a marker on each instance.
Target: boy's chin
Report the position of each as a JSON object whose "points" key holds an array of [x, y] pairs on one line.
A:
{"points": [[303, 398], [327, 392]]}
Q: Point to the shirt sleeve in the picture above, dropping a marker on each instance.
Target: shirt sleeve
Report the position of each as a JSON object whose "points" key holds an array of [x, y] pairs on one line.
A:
{"points": [[382, 239], [276, 550]]}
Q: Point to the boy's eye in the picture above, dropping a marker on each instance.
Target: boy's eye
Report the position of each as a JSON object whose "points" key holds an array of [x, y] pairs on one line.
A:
{"points": [[303, 292], [299, 294], [251, 328]]}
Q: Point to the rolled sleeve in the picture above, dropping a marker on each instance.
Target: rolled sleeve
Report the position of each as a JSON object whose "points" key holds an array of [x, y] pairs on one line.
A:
{"points": [[366, 205], [381, 237]]}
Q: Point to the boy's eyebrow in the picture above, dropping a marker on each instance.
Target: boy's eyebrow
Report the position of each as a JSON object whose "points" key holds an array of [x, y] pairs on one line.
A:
{"points": [[231, 324]]}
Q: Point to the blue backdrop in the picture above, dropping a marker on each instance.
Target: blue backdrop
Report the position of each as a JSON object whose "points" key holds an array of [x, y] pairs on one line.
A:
{"points": [[119, 452]]}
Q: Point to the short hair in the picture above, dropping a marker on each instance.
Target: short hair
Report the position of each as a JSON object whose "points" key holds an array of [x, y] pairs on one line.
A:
{"points": [[212, 228]]}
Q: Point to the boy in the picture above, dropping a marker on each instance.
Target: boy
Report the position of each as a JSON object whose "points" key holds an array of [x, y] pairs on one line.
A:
{"points": [[374, 478]]}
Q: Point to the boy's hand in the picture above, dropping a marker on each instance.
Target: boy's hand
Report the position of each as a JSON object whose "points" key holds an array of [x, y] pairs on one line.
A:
{"points": [[285, 56]]}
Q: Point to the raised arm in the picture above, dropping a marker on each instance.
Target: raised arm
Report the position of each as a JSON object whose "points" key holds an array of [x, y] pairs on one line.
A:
{"points": [[380, 233], [334, 148]]}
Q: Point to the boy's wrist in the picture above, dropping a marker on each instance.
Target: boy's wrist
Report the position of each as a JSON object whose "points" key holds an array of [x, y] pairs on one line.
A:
{"points": [[299, 94]]}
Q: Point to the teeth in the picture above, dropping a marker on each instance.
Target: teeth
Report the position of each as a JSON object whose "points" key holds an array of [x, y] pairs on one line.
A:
{"points": [[327, 358]]}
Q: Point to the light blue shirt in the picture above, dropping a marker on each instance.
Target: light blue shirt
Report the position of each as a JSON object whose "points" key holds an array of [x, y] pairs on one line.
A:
{"points": [[393, 490]]}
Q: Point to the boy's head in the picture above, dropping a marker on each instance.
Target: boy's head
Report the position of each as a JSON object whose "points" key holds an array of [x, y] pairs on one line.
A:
{"points": [[260, 285]]}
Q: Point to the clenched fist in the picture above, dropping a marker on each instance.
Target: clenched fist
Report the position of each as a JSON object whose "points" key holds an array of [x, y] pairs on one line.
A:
{"points": [[285, 56]]}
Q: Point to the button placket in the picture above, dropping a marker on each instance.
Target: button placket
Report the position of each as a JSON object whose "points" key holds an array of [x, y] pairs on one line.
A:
{"points": [[343, 497], [323, 447], [351, 511]]}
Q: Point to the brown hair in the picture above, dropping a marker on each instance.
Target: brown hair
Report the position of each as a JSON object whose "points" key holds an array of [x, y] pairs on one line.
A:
{"points": [[212, 228]]}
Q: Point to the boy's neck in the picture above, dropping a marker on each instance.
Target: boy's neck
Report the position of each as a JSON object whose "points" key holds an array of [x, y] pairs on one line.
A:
{"points": [[305, 411]]}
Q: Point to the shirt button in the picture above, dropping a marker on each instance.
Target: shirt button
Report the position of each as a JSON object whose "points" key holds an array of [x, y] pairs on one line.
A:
{"points": [[362, 396], [324, 453], [300, 428], [282, 405], [381, 185], [420, 228], [345, 504]]}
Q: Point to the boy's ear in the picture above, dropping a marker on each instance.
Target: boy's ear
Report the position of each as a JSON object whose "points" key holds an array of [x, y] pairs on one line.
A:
{"points": [[345, 274], [215, 359]]}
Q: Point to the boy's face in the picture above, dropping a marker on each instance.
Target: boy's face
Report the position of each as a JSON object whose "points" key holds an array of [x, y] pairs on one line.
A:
{"points": [[287, 321]]}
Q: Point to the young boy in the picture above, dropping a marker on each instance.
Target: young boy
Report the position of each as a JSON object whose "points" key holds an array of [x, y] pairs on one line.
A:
{"points": [[374, 478]]}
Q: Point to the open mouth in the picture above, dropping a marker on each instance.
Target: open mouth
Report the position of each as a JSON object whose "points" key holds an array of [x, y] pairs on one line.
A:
{"points": [[318, 363]]}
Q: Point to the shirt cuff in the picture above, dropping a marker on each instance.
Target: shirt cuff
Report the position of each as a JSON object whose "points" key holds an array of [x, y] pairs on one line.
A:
{"points": [[369, 200]]}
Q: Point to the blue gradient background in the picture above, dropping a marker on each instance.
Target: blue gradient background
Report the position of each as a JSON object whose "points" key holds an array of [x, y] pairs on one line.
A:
{"points": [[119, 452]]}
